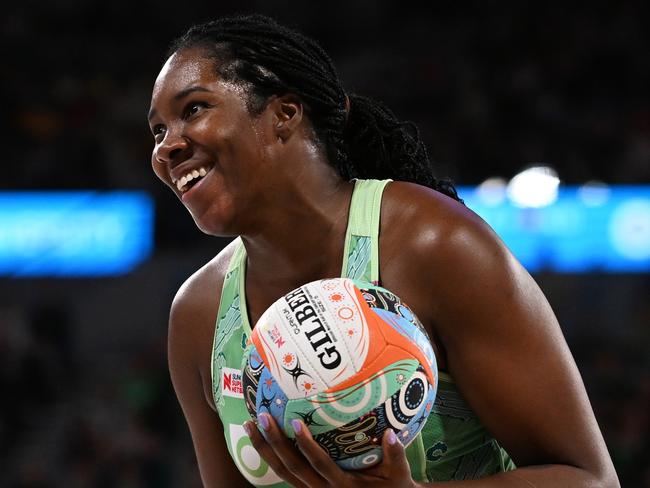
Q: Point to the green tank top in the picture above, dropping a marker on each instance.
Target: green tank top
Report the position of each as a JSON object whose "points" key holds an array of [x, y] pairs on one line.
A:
{"points": [[453, 445]]}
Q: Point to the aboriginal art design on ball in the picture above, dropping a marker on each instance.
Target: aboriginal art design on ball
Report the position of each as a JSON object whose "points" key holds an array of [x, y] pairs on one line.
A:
{"points": [[365, 460], [338, 408], [252, 371], [308, 419], [261, 391], [330, 284], [352, 439], [295, 370], [405, 412], [347, 358], [380, 299], [270, 397], [390, 308]]}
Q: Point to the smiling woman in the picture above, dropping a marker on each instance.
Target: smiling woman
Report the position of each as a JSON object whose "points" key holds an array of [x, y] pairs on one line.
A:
{"points": [[201, 124], [256, 135]]}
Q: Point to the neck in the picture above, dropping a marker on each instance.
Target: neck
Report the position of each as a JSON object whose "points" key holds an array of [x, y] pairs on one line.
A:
{"points": [[299, 237]]}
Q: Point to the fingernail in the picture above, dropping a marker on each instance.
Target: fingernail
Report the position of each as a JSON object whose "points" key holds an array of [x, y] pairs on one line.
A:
{"points": [[247, 428], [297, 426], [264, 420], [392, 438]]}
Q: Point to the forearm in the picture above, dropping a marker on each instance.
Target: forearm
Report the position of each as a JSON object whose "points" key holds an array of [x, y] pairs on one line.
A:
{"points": [[551, 476]]}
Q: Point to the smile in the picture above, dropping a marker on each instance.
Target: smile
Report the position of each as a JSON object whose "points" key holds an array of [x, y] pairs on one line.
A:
{"points": [[192, 175]]}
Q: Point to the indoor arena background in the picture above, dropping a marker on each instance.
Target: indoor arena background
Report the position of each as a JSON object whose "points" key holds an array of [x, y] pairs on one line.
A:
{"points": [[85, 397]]}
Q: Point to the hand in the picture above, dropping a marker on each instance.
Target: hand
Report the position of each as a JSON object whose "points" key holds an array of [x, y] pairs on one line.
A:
{"points": [[311, 466]]}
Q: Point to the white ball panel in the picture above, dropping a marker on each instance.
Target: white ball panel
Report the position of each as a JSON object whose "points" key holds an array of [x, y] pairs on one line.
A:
{"points": [[340, 300], [294, 370]]}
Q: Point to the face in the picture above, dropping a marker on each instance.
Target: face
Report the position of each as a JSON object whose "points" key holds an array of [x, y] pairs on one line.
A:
{"points": [[208, 149]]}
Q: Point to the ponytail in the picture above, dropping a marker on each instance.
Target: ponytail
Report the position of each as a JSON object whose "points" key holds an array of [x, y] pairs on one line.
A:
{"points": [[378, 145]]}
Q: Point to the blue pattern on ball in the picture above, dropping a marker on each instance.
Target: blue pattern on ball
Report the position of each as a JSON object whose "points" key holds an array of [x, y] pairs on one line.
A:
{"points": [[270, 397], [408, 329], [365, 460], [414, 426]]}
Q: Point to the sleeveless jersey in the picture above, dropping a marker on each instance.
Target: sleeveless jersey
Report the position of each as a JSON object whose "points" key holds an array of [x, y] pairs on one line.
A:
{"points": [[453, 444]]}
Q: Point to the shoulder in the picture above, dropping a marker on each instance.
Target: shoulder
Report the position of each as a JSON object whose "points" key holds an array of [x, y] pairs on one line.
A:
{"points": [[503, 344], [195, 306], [426, 210], [439, 243], [200, 284]]}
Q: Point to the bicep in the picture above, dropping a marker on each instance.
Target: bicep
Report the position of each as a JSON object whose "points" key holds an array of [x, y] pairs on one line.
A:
{"points": [[509, 358], [215, 464]]}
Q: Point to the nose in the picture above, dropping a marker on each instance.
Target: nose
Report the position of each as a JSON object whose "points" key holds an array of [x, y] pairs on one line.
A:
{"points": [[171, 148]]}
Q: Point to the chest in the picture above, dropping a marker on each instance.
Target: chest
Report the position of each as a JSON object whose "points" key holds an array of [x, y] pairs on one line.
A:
{"points": [[394, 276]]}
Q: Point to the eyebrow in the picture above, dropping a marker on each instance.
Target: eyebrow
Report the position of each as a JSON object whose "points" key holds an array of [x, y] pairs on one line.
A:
{"points": [[180, 95]]}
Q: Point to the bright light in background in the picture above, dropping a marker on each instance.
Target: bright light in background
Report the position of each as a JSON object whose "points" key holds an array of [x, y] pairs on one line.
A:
{"points": [[534, 187], [492, 191]]}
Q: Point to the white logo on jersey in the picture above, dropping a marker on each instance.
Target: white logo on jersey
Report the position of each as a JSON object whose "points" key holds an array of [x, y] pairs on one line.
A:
{"points": [[247, 459]]}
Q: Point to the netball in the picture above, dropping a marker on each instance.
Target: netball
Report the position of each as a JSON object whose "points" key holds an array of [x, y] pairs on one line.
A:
{"points": [[350, 360]]}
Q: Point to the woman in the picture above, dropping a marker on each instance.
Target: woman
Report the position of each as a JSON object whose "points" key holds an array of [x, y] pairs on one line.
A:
{"points": [[255, 134]]}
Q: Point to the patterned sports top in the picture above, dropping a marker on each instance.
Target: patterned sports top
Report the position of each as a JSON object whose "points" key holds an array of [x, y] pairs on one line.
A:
{"points": [[453, 444]]}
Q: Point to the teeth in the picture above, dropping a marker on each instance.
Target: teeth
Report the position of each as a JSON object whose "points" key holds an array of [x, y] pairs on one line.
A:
{"points": [[180, 184]]}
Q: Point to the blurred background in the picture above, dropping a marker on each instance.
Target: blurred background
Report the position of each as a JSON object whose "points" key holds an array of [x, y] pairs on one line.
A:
{"points": [[495, 89]]}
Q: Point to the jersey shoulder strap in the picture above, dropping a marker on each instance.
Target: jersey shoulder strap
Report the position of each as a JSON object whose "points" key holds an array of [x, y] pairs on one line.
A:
{"points": [[361, 251]]}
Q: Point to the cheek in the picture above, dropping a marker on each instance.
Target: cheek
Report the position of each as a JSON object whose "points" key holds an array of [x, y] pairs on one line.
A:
{"points": [[159, 170]]}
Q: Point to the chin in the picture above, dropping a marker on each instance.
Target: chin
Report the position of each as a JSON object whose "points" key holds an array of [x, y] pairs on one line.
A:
{"points": [[214, 225]]}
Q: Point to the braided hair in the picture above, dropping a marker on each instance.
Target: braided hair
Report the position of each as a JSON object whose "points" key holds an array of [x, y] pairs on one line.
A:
{"points": [[361, 137]]}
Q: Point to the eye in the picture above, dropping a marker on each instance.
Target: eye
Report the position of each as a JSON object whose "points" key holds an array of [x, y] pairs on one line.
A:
{"points": [[193, 108], [158, 130]]}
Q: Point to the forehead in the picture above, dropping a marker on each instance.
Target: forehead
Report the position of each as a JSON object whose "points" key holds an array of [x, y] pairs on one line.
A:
{"points": [[182, 70]]}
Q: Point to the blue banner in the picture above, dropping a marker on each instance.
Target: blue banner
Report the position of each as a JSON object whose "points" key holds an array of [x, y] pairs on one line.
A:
{"points": [[109, 233], [602, 229], [83, 233]]}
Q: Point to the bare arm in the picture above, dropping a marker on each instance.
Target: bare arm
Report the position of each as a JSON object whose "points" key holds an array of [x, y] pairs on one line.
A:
{"points": [[509, 358], [502, 344], [190, 339]]}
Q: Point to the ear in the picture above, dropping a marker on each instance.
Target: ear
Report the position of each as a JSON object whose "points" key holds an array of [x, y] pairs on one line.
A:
{"points": [[287, 115]]}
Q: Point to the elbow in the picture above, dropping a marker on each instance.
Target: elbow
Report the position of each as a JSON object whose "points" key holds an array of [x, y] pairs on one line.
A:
{"points": [[607, 473], [604, 476], [609, 479]]}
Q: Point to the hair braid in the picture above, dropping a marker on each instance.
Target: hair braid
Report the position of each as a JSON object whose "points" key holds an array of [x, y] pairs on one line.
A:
{"points": [[367, 141]]}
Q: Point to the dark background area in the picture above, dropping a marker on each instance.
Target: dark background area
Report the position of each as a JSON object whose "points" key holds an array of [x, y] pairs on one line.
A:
{"points": [[493, 86]]}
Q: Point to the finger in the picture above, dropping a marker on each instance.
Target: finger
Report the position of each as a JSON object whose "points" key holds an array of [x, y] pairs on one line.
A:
{"points": [[291, 458], [267, 453], [316, 455], [394, 461]]}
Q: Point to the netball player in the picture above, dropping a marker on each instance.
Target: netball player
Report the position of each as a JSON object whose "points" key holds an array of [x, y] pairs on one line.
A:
{"points": [[257, 137]]}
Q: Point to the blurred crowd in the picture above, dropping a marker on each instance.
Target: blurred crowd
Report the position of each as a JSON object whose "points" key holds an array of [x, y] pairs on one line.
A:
{"points": [[68, 424], [492, 89]]}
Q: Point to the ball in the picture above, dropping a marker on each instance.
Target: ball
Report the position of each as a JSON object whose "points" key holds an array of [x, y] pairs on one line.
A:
{"points": [[350, 360]]}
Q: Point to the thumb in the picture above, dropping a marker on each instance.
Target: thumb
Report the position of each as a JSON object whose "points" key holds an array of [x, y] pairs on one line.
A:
{"points": [[395, 454]]}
